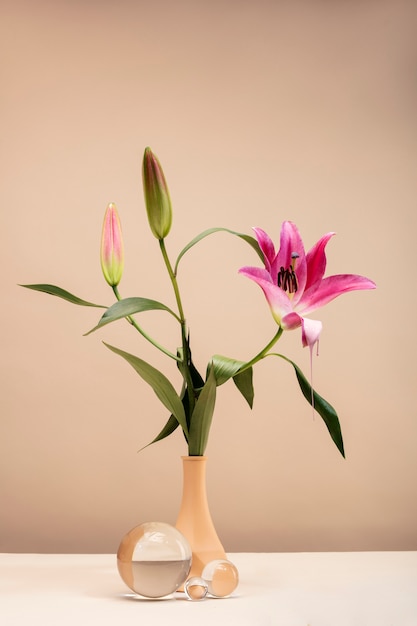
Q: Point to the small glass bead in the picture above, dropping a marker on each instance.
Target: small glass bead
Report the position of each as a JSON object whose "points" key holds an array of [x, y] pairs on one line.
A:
{"points": [[221, 577], [196, 588]]}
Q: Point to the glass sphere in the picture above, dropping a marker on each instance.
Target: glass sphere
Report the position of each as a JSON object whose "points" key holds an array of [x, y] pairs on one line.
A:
{"points": [[221, 576], [196, 588], [154, 559]]}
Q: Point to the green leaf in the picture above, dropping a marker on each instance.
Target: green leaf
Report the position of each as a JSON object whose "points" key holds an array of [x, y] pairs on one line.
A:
{"points": [[193, 382], [61, 293], [159, 383], [196, 377], [202, 417], [225, 368], [244, 382], [250, 240], [171, 425], [129, 306], [323, 408]]}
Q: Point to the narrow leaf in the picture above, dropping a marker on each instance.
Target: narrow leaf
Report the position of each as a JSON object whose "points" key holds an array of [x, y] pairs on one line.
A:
{"points": [[61, 293], [202, 417], [159, 383], [250, 240], [129, 306], [323, 408], [171, 425], [196, 377], [244, 382], [225, 368]]}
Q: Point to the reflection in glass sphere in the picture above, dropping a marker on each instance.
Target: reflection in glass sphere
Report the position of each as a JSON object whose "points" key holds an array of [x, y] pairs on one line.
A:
{"points": [[196, 588], [154, 559], [221, 576]]}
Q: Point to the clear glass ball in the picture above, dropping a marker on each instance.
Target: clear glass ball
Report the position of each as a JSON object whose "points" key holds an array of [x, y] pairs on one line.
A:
{"points": [[154, 559], [196, 588], [221, 576]]}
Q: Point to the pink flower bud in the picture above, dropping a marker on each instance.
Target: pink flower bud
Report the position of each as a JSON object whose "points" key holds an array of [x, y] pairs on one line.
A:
{"points": [[157, 200], [112, 256]]}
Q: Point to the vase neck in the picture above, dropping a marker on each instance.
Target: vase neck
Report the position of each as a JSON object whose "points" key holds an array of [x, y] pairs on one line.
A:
{"points": [[194, 478], [194, 519]]}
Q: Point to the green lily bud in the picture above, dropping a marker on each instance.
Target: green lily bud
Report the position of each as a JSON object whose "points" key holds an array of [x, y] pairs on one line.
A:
{"points": [[157, 200], [112, 254]]}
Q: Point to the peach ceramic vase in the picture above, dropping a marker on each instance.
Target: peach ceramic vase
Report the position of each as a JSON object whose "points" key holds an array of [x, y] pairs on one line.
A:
{"points": [[194, 519]]}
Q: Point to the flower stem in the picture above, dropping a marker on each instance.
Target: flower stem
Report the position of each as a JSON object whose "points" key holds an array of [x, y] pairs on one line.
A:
{"points": [[173, 279], [143, 333], [264, 352], [186, 360]]}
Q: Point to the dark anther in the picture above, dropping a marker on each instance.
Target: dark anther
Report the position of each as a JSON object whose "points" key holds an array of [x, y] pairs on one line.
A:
{"points": [[287, 280]]}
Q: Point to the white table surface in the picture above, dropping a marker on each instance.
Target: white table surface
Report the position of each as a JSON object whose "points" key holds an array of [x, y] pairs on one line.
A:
{"points": [[301, 589]]}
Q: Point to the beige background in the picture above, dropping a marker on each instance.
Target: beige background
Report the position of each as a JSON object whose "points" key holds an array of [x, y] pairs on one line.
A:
{"points": [[259, 111]]}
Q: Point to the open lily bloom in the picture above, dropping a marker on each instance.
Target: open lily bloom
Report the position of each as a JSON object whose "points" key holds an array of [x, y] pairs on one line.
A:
{"points": [[293, 282]]}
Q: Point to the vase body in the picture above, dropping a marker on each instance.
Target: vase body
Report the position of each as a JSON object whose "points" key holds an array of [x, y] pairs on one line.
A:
{"points": [[194, 519]]}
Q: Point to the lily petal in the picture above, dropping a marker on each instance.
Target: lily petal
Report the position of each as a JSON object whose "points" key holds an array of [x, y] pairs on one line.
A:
{"points": [[267, 246], [279, 302], [290, 241], [291, 321], [290, 244], [256, 273], [311, 330], [316, 261], [330, 288]]}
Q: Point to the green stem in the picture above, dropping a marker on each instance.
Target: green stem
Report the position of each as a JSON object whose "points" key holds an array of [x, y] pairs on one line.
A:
{"points": [[143, 333], [264, 352], [185, 346], [173, 278]]}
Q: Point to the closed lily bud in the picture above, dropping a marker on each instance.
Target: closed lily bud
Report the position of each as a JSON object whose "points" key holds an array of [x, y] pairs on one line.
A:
{"points": [[112, 255], [157, 200]]}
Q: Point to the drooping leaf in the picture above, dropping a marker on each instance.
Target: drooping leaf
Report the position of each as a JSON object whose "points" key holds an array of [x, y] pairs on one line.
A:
{"points": [[323, 408], [225, 368], [159, 383], [171, 425], [202, 416], [250, 240], [62, 293], [244, 382], [129, 306]]}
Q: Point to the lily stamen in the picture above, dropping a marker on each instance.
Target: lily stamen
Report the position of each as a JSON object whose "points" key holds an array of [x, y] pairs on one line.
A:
{"points": [[287, 279], [294, 256]]}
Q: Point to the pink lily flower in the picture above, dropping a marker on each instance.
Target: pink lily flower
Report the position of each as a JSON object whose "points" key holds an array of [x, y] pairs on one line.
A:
{"points": [[293, 282]]}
